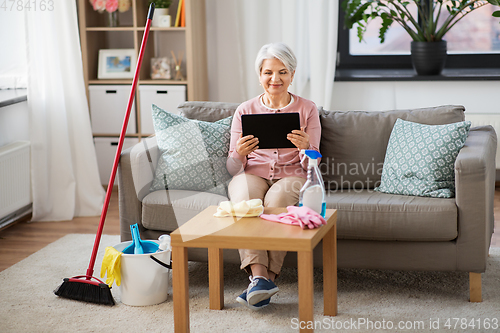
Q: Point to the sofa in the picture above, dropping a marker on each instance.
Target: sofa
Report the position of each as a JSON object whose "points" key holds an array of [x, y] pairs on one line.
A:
{"points": [[375, 230]]}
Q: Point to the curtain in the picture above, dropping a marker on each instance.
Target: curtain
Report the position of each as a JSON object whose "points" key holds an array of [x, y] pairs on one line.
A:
{"points": [[65, 178], [308, 27]]}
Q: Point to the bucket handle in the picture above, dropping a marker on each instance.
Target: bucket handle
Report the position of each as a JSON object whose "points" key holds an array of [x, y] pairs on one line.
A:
{"points": [[159, 262]]}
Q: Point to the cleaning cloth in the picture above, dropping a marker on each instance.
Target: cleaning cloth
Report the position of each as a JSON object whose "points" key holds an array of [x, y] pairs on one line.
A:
{"points": [[303, 216], [111, 264], [245, 208]]}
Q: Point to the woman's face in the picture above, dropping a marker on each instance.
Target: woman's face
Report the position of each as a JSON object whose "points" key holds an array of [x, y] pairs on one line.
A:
{"points": [[275, 77]]}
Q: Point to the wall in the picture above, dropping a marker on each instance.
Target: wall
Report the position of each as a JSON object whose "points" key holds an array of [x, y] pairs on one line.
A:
{"points": [[13, 63], [14, 123], [476, 96]]}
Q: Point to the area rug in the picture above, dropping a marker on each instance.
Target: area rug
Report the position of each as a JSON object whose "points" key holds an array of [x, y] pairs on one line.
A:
{"points": [[368, 300]]}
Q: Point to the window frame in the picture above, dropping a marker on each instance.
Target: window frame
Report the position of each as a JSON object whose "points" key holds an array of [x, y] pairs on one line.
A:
{"points": [[453, 61]]}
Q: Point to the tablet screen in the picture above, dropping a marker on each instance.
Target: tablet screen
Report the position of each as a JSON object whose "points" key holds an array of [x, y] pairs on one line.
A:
{"points": [[271, 128]]}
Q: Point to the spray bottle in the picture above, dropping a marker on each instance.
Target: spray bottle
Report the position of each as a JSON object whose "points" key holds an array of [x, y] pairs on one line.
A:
{"points": [[312, 194]]}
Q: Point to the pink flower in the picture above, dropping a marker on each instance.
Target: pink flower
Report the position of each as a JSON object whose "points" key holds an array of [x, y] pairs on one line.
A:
{"points": [[111, 5], [100, 5], [123, 5]]}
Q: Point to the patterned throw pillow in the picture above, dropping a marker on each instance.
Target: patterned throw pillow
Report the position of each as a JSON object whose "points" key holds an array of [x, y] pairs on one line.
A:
{"points": [[420, 159], [193, 153]]}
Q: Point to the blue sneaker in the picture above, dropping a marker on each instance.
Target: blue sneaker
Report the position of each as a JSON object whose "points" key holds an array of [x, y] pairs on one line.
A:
{"points": [[242, 299], [260, 289]]}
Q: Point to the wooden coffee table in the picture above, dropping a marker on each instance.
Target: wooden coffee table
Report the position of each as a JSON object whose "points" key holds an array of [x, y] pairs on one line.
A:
{"points": [[215, 233]]}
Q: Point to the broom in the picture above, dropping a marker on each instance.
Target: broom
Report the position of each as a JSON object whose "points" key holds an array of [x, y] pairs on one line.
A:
{"points": [[86, 287]]}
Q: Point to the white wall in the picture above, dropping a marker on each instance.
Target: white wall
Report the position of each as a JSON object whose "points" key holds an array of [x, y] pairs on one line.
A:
{"points": [[476, 96], [14, 122], [13, 63]]}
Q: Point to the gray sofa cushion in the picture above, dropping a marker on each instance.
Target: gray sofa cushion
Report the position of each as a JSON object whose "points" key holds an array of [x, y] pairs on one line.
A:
{"points": [[162, 209], [207, 111], [370, 215], [353, 144], [362, 214]]}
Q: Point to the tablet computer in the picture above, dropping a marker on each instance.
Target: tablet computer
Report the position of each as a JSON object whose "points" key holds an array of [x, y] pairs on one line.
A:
{"points": [[271, 128]]}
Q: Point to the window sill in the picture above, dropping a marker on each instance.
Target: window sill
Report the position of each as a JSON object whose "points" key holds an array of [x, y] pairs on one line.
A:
{"points": [[12, 96], [448, 74]]}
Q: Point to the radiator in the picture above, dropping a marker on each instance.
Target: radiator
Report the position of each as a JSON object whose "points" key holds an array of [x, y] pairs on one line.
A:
{"points": [[487, 119], [15, 179]]}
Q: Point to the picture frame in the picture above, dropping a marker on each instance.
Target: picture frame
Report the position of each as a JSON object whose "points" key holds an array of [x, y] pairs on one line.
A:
{"points": [[116, 63]]}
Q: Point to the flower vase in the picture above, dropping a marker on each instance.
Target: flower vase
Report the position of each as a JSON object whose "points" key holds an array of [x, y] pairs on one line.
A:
{"points": [[113, 19]]}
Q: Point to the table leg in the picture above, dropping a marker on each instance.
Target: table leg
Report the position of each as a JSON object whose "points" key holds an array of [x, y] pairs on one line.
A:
{"points": [[216, 278], [180, 286], [330, 272], [306, 288]]}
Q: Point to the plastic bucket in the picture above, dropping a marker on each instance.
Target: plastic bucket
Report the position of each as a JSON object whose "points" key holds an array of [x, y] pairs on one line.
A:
{"points": [[144, 280]]}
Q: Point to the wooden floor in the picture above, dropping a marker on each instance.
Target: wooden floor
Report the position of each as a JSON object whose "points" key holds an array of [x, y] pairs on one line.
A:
{"points": [[24, 238]]}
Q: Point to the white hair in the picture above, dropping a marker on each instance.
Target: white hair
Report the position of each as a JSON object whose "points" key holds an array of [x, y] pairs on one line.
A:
{"points": [[279, 51]]}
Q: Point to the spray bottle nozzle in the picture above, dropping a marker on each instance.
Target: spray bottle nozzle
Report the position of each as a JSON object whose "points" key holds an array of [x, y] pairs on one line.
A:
{"points": [[313, 156]]}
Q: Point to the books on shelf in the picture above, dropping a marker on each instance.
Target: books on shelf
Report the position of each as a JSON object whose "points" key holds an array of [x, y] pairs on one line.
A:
{"points": [[180, 19], [183, 14]]}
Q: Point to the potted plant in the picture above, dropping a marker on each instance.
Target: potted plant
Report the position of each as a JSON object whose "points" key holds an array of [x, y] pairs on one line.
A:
{"points": [[161, 17], [426, 26]]}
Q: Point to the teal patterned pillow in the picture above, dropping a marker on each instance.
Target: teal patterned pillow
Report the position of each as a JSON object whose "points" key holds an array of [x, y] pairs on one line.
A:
{"points": [[193, 153], [420, 159]]}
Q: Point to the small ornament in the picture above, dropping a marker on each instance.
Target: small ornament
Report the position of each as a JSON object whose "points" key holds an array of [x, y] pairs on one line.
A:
{"points": [[178, 63]]}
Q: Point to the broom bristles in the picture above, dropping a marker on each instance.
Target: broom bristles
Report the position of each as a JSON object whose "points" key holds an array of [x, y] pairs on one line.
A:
{"points": [[80, 290]]}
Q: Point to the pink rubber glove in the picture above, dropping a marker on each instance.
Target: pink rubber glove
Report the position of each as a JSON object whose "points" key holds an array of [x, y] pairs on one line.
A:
{"points": [[303, 216]]}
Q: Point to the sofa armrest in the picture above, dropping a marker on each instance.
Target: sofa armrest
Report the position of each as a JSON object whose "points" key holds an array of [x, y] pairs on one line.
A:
{"points": [[143, 161], [475, 190], [135, 174]]}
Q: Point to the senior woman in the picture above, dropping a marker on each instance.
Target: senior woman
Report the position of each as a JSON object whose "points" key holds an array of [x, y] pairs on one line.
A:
{"points": [[273, 175]]}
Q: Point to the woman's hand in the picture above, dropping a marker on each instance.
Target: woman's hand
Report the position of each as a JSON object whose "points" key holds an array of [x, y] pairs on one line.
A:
{"points": [[246, 145], [299, 138]]}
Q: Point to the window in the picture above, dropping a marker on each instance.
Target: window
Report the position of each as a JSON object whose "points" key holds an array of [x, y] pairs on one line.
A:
{"points": [[474, 42]]}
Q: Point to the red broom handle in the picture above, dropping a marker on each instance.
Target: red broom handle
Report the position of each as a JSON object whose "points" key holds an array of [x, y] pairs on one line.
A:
{"points": [[90, 270]]}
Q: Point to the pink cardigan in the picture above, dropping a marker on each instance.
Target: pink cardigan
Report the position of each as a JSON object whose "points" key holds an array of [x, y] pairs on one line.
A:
{"points": [[274, 163]]}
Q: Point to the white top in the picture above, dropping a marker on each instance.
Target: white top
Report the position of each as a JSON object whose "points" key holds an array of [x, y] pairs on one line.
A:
{"points": [[267, 107]]}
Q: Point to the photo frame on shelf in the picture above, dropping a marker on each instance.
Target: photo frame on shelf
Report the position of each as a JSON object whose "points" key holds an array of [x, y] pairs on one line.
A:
{"points": [[116, 63]]}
